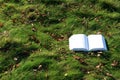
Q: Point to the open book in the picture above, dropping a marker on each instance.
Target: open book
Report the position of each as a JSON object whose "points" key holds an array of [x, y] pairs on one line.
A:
{"points": [[81, 42]]}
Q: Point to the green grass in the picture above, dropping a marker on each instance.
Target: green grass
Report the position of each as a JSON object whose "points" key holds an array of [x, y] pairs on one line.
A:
{"points": [[34, 39]]}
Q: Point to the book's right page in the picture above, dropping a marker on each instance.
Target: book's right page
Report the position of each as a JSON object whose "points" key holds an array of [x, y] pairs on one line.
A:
{"points": [[97, 42]]}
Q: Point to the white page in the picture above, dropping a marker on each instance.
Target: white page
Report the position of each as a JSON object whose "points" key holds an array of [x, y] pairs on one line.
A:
{"points": [[96, 42], [78, 42]]}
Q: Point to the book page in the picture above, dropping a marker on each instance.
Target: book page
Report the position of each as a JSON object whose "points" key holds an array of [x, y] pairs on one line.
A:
{"points": [[96, 42], [78, 42]]}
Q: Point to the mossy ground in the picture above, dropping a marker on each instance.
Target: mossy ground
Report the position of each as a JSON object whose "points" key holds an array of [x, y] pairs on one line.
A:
{"points": [[34, 39]]}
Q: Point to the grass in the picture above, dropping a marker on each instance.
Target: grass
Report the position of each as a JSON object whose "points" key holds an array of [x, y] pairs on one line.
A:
{"points": [[34, 39]]}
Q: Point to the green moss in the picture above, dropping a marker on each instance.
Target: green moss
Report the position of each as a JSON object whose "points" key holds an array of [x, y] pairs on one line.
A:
{"points": [[34, 39]]}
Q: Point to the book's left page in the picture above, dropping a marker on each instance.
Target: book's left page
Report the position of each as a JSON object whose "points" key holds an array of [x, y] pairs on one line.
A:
{"points": [[78, 42]]}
